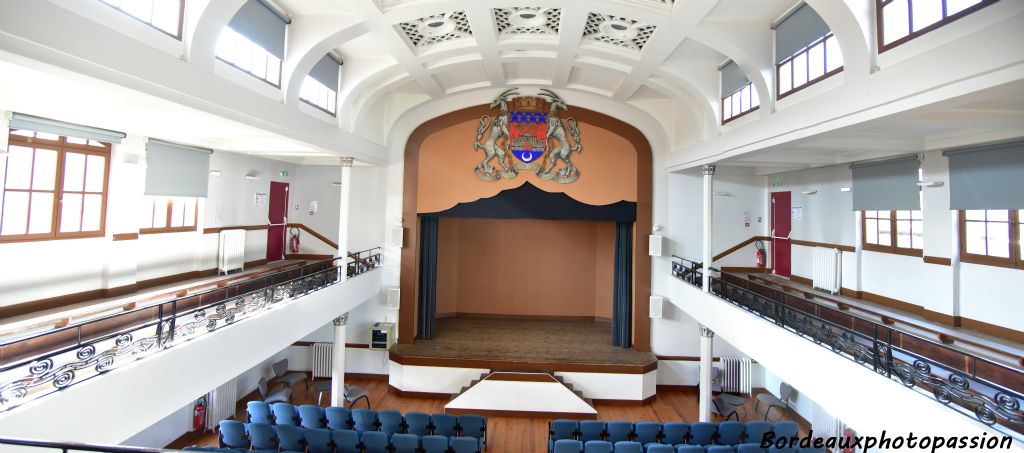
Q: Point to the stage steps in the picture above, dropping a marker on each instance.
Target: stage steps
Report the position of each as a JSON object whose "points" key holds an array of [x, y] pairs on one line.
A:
{"points": [[521, 394]]}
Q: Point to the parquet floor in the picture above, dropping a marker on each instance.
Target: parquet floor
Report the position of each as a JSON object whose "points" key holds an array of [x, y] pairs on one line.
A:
{"points": [[513, 434]]}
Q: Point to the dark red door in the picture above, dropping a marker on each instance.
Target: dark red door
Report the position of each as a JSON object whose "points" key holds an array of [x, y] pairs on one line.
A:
{"points": [[781, 224], [277, 215]]}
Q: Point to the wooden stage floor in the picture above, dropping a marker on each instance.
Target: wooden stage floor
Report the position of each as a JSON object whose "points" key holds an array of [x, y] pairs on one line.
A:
{"points": [[523, 345]]}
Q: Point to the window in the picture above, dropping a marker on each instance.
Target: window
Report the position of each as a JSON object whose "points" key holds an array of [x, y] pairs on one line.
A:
{"points": [[900, 21], [168, 214], [899, 232], [235, 49], [992, 237], [818, 61], [739, 103], [54, 187], [318, 95], [163, 15]]}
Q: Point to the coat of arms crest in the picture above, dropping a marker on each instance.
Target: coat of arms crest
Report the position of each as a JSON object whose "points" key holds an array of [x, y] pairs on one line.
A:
{"points": [[528, 134]]}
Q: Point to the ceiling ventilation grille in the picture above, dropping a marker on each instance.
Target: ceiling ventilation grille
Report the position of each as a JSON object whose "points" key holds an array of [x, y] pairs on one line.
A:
{"points": [[527, 20], [436, 29], [668, 3], [618, 31]]}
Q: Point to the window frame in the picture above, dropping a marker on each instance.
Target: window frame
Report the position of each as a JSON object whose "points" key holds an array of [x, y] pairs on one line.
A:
{"points": [[806, 51], [892, 247], [730, 95], [1014, 261], [334, 93], [181, 19], [62, 147], [880, 22], [280, 64], [167, 220]]}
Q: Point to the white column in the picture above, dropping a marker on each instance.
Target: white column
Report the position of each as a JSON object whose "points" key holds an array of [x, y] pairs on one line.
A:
{"points": [[343, 211], [709, 172], [338, 361], [707, 337]]}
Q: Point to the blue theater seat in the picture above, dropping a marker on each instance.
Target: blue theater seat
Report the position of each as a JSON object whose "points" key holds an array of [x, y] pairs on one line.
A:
{"points": [[405, 443], [475, 426], [259, 412], [465, 445], [374, 441], [785, 429], [390, 421], [591, 430], [285, 414], [597, 446], [232, 435], [730, 433], [318, 440], [647, 432], [720, 449], [660, 448], [702, 433], [568, 446], [338, 418], [365, 420], [444, 424], [755, 431], [750, 448], [561, 429], [345, 440], [291, 437], [689, 449], [626, 446], [417, 423], [311, 416], [434, 444], [675, 433], [263, 436], [619, 431]]}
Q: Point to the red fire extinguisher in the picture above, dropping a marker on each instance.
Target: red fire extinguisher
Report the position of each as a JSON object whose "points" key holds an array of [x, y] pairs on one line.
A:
{"points": [[199, 415], [295, 240], [848, 435], [762, 257]]}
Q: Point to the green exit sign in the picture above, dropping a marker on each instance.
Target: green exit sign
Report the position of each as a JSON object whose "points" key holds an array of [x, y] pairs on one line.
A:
{"points": [[284, 173], [777, 183]]}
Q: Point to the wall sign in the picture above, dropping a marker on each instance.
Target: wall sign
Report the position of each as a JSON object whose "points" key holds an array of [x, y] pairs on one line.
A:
{"points": [[797, 212], [531, 129]]}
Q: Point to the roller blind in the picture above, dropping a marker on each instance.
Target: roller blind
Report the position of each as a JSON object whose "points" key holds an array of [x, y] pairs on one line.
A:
{"points": [[886, 185], [262, 25], [733, 78], [35, 123], [987, 177], [326, 72], [797, 30], [175, 170]]}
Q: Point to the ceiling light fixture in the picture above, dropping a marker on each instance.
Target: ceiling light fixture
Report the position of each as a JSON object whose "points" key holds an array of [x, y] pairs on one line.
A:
{"points": [[845, 189], [528, 18], [436, 26], [251, 175], [336, 184], [810, 192], [619, 29], [214, 172]]}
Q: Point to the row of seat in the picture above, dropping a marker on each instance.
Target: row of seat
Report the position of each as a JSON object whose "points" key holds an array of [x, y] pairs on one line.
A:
{"points": [[291, 438], [602, 446], [389, 421], [673, 433]]}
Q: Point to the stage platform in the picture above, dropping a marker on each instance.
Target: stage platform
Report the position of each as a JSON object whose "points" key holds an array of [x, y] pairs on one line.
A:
{"points": [[579, 352]]}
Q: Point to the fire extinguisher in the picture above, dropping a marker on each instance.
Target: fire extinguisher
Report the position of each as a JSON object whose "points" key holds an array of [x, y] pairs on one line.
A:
{"points": [[762, 257], [199, 415], [848, 435], [295, 240]]}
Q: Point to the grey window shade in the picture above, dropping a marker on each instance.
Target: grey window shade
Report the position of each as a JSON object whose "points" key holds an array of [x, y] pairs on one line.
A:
{"points": [[987, 177], [175, 170], [733, 78], [35, 123], [326, 72], [887, 185], [262, 25], [797, 30]]}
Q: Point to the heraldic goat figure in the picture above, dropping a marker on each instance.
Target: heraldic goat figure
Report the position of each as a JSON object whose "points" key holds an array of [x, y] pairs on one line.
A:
{"points": [[490, 146], [560, 150]]}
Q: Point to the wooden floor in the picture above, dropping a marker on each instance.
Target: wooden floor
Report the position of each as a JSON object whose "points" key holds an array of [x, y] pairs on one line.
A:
{"points": [[562, 342], [516, 434]]}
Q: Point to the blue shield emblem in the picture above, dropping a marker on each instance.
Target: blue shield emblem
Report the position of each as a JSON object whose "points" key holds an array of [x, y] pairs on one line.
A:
{"points": [[528, 135]]}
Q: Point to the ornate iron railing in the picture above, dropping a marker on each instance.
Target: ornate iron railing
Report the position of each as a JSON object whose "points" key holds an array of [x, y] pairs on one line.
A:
{"points": [[974, 386], [66, 447], [359, 262], [38, 365]]}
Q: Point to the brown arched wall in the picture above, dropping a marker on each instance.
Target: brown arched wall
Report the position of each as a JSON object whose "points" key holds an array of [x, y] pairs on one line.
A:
{"points": [[409, 280]]}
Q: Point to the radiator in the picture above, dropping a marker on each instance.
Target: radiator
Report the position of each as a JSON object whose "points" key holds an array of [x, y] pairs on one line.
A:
{"points": [[827, 269], [736, 375], [323, 354], [232, 251], [824, 424], [220, 403]]}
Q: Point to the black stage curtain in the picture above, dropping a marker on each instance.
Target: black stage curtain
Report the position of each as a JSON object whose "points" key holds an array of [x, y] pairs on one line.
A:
{"points": [[427, 302], [622, 299], [529, 202]]}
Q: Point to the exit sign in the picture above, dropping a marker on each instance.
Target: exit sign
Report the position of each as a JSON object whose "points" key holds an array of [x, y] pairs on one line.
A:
{"points": [[777, 183]]}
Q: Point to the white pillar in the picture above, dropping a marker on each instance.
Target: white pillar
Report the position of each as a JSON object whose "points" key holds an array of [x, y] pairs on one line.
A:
{"points": [[343, 211], [709, 172], [338, 361], [707, 337]]}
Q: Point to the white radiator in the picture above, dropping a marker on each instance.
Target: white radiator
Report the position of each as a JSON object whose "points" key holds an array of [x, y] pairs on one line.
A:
{"points": [[220, 403], [232, 250], [827, 269], [824, 424], [323, 354], [736, 375]]}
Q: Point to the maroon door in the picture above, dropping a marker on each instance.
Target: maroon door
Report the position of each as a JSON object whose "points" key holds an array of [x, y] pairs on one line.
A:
{"points": [[277, 216], [781, 224]]}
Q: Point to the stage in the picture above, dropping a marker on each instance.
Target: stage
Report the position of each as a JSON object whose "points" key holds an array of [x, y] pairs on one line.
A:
{"points": [[580, 352]]}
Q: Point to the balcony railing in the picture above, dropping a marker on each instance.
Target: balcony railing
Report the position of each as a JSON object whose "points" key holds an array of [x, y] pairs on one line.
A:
{"points": [[974, 386], [34, 366]]}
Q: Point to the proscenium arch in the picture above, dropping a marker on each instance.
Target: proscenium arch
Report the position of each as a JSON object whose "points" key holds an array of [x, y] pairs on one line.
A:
{"points": [[409, 275]]}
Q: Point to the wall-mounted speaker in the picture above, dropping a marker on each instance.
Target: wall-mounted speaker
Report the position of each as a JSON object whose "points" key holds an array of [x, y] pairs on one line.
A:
{"points": [[654, 245], [394, 297], [657, 303], [397, 237]]}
